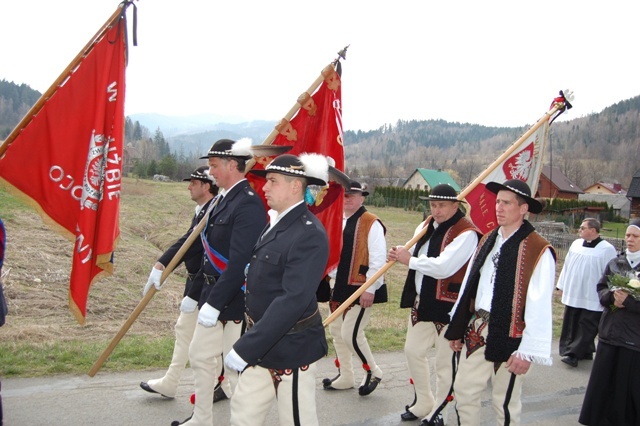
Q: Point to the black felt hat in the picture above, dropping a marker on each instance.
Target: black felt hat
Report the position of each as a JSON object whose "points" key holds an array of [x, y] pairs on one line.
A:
{"points": [[201, 173], [442, 192], [313, 167], [518, 187], [357, 188], [226, 148]]}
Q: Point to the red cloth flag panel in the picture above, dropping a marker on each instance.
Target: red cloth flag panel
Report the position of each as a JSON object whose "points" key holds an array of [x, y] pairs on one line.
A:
{"points": [[317, 127], [67, 161], [524, 163]]}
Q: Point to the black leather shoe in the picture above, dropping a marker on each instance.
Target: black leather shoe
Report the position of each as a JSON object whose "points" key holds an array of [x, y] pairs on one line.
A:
{"points": [[408, 416], [588, 356], [570, 360], [147, 388], [370, 387], [219, 395], [436, 421], [178, 422]]}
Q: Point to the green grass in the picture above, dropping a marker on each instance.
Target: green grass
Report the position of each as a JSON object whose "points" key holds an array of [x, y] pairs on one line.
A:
{"points": [[613, 230], [29, 359]]}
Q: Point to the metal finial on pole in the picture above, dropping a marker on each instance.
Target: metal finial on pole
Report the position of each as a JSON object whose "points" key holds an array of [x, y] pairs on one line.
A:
{"points": [[343, 53]]}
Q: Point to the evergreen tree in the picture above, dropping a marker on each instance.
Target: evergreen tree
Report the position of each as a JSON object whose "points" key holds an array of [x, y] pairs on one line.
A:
{"points": [[152, 168]]}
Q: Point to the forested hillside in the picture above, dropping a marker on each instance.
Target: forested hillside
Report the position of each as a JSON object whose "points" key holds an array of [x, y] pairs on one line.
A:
{"points": [[599, 146], [602, 146], [15, 101]]}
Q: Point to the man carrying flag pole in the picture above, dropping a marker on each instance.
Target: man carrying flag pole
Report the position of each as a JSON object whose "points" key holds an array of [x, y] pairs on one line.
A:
{"points": [[76, 130], [558, 106], [522, 161], [325, 133]]}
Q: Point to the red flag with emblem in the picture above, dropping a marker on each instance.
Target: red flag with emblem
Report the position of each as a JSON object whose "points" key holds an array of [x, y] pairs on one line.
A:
{"points": [[317, 128], [522, 160], [65, 157], [524, 163]]}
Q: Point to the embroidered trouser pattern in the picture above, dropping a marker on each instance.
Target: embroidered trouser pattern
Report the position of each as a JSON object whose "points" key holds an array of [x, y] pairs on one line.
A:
{"points": [[474, 374]]}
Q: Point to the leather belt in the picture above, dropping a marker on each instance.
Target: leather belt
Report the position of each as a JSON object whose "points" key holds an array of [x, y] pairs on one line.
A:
{"points": [[481, 313], [301, 325]]}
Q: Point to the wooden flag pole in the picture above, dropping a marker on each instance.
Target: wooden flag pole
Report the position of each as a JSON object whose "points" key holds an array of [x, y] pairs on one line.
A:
{"points": [[556, 107], [294, 109], [147, 297], [185, 246], [61, 79], [343, 307]]}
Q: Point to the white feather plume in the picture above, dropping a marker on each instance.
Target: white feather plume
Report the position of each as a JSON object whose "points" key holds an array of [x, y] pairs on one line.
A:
{"points": [[315, 165], [242, 147], [209, 176]]}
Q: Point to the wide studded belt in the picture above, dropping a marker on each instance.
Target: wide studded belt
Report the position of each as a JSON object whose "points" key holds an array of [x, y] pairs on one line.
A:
{"points": [[301, 325], [481, 313]]}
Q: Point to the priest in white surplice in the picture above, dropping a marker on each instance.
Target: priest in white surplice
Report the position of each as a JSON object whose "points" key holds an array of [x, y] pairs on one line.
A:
{"points": [[583, 268]]}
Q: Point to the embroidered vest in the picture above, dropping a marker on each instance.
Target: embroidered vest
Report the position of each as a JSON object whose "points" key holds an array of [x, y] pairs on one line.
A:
{"points": [[437, 296], [517, 260], [354, 258]]}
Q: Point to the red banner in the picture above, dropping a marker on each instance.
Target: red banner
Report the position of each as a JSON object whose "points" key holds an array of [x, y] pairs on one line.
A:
{"points": [[317, 127], [67, 161], [524, 163]]}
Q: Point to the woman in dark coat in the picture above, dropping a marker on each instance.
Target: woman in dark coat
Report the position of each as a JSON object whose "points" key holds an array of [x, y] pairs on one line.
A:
{"points": [[613, 394]]}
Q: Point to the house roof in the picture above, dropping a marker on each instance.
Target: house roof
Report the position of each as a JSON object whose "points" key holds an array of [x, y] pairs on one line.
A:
{"points": [[618, 201], [436, 177], [613, 188], [634, 188], [560, 180]]}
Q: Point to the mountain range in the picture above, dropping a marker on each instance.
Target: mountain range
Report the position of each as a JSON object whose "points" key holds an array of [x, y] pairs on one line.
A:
{"points": [[602, 146]]}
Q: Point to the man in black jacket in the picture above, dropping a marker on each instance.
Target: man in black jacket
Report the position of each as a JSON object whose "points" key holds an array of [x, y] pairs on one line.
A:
{"points": [[202, 189], [235, 222], [285, 336]]}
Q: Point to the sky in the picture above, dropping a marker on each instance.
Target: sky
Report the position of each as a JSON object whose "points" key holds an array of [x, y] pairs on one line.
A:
{"points": [[495, 63]]}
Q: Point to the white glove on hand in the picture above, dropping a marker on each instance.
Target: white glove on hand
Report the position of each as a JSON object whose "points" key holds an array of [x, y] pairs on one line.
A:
{"points": [[234, 361], [154, 279], [188, 305], [208, 315]]}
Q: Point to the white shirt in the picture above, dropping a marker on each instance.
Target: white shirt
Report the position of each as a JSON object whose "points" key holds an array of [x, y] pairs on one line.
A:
{"points": [[377, 246], [448, 262], [535, 345], [274, 217], [583, 268], [223, 191]]}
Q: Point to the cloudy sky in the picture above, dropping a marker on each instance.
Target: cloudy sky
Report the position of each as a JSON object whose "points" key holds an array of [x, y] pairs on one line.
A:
{"points": [[496, 63]]}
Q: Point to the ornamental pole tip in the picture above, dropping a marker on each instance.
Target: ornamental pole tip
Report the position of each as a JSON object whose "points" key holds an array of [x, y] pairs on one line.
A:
{"points": [[343, 52]]}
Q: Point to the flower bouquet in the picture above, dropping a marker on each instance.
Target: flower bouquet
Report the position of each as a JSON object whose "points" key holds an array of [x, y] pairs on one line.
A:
{"points": [[629, 283]]}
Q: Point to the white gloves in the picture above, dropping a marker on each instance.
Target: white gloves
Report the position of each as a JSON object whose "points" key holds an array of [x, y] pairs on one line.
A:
{"points": [[188, 305], [208, 315], [234, 361], [154, 279]]}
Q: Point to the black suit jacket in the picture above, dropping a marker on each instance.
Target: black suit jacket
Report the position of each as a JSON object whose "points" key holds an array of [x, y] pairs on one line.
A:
{"points": [[232, 230], [286, 266], [192, 258]]}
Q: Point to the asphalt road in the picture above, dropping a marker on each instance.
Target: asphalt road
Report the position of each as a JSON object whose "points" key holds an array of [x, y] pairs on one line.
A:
{"points": [[552, 396]]}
